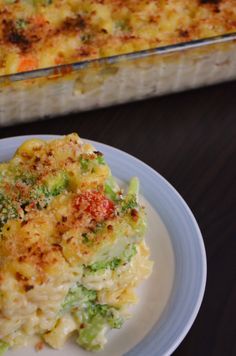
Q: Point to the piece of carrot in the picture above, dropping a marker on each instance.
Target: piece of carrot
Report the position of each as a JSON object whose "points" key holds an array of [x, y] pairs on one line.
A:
{"points": [[39, 20], [27, 62]]}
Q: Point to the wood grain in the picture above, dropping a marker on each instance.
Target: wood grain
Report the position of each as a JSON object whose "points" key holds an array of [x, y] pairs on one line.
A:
{"points": [[190, 138]]}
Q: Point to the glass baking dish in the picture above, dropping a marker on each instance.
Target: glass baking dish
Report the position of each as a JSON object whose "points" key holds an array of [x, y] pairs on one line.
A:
{"points": [[113, 80]]}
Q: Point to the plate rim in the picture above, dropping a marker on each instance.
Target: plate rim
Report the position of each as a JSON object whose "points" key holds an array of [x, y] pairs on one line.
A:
{"points": [[200, 296]]}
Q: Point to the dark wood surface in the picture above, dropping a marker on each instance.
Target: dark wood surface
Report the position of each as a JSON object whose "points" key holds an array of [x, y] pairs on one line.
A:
{"points": [[190, 138]]}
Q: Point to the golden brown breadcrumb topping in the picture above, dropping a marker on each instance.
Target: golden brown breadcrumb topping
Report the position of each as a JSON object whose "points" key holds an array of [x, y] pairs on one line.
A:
{"points": [[42, 33]]}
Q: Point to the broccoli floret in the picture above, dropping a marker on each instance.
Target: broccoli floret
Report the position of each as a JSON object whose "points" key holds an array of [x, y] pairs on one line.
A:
{"points": [[93, 319], [100, 159], [125, 257], [131, 200], [129, 203], [84, 162], [110, 193], [52, 187], [77, 295], [41, 196], [111, 189], [89, 163], [4, 346], [98, 266], [96, 319], [56, 184], [110, 314], [89, 335], [116, 262]]}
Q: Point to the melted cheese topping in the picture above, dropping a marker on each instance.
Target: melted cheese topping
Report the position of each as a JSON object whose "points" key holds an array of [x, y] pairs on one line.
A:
{"points": [[43, 33]]}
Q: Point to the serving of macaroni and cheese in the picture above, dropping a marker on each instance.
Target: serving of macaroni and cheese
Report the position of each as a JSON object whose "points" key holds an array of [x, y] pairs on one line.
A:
{"points": [[72, 246]]}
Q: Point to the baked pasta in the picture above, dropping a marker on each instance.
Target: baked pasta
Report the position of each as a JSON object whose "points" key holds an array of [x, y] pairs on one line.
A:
{"points": [[42, 33], [72, 245]]}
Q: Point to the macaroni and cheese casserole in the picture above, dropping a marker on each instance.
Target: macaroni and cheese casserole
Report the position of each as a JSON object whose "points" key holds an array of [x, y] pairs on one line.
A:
{"points": [[72, 246], [42, 33]]}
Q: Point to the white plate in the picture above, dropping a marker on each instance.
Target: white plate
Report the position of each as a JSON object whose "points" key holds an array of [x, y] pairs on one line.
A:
{"points": [[171, 297]]}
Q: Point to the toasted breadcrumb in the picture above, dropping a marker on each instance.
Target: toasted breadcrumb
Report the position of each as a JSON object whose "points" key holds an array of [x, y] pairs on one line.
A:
{"points": [[40, 34]]}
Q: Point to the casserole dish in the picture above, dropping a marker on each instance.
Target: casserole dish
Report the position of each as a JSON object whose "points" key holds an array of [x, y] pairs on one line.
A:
{"points": [[99, 82]]}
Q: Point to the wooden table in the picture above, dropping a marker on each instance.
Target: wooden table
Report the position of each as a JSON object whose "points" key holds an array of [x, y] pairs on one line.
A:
{"points": [[190, 138]]}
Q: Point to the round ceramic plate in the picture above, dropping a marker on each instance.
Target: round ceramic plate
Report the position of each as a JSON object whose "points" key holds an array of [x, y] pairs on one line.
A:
{"points": [[170, 299]]}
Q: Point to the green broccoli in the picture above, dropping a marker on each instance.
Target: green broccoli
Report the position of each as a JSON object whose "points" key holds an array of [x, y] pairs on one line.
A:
{"points": [[88, 335], [111, 189], [84, 162], [55, 184], [89, 164], [4, 346], [131, 199], [125, 257], [94, 320], [100, 159], [77, 295]]}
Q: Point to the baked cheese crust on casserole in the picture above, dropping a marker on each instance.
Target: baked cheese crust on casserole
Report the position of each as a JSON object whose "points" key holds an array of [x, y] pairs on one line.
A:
{"points": [[42, 33], [72, 246]]}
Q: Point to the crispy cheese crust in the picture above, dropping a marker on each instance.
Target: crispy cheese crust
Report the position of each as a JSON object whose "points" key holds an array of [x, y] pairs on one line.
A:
{"points": [[42, 33], [48, 226]]}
